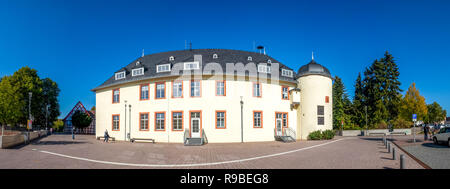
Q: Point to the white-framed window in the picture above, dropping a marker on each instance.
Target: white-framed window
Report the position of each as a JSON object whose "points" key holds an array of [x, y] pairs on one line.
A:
{"points": [[144, 92], [284, 92], [163, 68], [191, 65], [120, 75], [249, 58], [177, 89], [160, 121], [257, 119], [160, 90], [137, 71], [116, 95], [220, 88], [115, 125], [257, 92], [287, 73], [269, 61], [264, 68], [171, 58], [177, 121], [143, 121], [195, 88], [220, 119], [215, 56]]}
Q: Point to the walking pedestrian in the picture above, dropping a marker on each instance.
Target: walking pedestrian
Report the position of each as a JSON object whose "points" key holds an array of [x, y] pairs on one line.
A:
{"points": [[425, 131]]}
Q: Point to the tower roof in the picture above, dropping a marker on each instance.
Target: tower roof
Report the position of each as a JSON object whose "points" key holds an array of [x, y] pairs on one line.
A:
{"points": [[313, 68]]}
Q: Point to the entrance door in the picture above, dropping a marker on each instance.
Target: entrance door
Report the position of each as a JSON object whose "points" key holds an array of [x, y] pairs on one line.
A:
{"points": [[195, 127], [279, 127]]}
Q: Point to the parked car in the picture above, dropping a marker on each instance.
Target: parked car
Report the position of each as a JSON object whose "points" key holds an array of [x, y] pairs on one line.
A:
{"points": [[443, 136]]}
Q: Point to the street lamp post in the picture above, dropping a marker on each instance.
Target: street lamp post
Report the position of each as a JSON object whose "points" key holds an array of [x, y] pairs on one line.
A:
{"points": [[125, 127], [129, 130], [30, 94], [365, 109], [46, 116]]}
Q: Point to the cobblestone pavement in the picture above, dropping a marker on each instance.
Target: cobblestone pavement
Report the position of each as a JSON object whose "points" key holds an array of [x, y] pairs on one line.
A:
{"points": [[433, 155], [59, 151]]}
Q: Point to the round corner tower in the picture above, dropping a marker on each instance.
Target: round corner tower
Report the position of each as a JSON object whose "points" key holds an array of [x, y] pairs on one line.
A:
{"points": [[315, 111]]}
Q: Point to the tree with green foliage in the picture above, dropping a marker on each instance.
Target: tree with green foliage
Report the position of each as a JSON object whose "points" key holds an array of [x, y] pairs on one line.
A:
{"points": [[50, 93], [11, 102], [435, 113], [413, 103], [342, 106], [391, 87], [81, 119]]}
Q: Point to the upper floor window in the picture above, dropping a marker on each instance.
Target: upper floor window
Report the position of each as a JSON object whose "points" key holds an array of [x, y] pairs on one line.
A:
{"points": [[220, 88], [264, 68], [177, 89], [285, 93], [137, 71], [163, 68], [120, 75], [215, 56], [160, 90], [257, 90], [195, 88], [144, 94], [116, 96], [287, 73], [191, 65]]}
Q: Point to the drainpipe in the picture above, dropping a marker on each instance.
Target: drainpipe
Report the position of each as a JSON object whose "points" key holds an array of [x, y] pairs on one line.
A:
{"points": [[242, 121]]}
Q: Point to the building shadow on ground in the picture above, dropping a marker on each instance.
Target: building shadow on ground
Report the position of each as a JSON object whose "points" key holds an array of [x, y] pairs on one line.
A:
{"points": [[58, 142], [432, 145]]}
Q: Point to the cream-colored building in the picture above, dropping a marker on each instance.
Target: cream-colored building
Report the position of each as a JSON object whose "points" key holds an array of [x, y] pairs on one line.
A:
{"points": [[214, 95]]}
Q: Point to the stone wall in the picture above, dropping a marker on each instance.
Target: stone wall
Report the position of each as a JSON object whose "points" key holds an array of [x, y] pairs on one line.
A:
{"points": [[22, 138]]}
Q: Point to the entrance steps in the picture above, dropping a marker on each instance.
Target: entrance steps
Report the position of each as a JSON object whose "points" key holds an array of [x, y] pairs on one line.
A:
{"points": [[193, 142]]}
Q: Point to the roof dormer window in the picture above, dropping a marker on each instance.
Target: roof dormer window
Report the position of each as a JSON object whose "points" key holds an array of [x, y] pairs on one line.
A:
{"points": [[191, 65], [287, 73], [215, 56], [120, 75], [138, 63], [171, 58], [137, 71], [249, 58], [163, 68], [264, 68], [269, 61]]}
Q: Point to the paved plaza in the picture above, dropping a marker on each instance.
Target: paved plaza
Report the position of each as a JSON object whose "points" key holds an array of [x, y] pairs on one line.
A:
{"points": [[59, 151]]}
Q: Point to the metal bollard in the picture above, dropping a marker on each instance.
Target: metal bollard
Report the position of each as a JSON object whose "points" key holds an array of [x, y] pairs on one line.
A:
{"points": [[402, 161], [393, 153], [389, 147]]}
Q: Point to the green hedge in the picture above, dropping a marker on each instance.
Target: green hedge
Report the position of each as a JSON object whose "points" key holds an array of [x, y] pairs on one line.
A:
{"points": [[321, 135]]}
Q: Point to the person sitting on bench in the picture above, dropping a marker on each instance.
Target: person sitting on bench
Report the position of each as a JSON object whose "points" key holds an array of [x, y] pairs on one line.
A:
{"points": [[106, 136]]}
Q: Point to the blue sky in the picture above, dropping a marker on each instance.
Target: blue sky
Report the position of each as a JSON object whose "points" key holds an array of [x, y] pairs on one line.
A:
{"points": [[79, 44]]}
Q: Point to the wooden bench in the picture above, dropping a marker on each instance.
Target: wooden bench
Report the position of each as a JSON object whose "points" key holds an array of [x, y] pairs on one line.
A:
{"points": [[376, 133], [102, 137], [398, 133], [146, 139]]}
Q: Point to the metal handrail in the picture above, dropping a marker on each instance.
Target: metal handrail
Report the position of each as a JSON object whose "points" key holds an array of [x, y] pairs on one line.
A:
{"points": [[186, 135], [205, 139]]}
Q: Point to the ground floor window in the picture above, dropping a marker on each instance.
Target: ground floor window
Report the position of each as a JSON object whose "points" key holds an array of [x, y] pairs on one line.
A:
{"points": [[160, 121], [220, 119], [115, 122], [143, 121], [177, 121], [257, 119], [320, 115]]}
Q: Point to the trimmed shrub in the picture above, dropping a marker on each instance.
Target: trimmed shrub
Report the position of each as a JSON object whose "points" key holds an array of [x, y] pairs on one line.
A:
{"points": [[321, 135], [315, 135]]}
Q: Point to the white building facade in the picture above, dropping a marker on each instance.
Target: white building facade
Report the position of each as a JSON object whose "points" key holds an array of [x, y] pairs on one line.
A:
{"points": [[218, 95]]}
